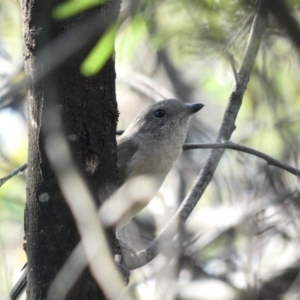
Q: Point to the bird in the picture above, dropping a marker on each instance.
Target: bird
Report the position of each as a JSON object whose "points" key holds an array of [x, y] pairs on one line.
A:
{"points": [[148, 147]]}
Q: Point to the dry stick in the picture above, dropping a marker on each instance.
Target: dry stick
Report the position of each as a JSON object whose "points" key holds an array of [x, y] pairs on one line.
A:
{"points": [[12, 174], [230, 145], [228, 126]]}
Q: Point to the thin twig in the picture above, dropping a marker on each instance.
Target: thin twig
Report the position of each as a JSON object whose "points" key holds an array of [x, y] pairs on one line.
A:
{"points": [[227, 127], [119, 132], [229, 145], [12, 174]]}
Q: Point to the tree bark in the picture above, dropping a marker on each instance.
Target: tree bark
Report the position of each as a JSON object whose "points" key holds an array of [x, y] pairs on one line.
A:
{"points": [[89, 113]]}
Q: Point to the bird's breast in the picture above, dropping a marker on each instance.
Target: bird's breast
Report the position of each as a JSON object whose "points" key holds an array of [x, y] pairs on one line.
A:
{"points": [[156, 158]]}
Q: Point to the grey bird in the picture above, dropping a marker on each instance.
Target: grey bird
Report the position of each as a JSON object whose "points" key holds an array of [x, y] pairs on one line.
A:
{"points": [[149, 146]]}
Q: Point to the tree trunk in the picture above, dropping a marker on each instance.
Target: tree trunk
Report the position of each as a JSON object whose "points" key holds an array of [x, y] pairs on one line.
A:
{"points": [[89, 114]]}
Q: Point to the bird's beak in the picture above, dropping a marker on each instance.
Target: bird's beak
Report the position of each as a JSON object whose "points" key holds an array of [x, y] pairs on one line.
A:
{"points": [[193, 108]]}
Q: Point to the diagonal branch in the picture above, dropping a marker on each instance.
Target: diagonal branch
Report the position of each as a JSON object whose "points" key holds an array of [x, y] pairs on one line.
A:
{"points": [[12, 174], [227, 127], [230, 145]]}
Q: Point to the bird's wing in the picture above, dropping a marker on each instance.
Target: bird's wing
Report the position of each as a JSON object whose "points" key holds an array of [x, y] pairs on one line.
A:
{"points": [[127, 147]]}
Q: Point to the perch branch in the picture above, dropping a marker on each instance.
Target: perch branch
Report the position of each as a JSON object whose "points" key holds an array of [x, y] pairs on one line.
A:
{"points": [[12, 174], [229, 145]]}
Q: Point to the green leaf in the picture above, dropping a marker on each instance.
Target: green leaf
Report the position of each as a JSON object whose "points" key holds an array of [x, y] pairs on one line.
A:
{"points": [[100, 54], [73, 7]]}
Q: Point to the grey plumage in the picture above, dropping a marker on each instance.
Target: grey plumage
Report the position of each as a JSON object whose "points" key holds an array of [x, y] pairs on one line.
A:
{"points": [[151, 145]]}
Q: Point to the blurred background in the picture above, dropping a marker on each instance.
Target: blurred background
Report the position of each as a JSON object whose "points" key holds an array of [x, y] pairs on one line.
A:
{"points": [[242, 241]]}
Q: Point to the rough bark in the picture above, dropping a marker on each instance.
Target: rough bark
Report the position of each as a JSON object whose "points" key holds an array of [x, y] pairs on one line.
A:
{"points": [[89, 113]]}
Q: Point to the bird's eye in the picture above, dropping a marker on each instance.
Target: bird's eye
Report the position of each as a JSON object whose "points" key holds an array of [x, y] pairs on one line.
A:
{"points": [[160, 113]]}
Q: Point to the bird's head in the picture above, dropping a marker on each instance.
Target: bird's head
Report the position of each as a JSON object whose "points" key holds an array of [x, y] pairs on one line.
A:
{"points": [[165, 117]]}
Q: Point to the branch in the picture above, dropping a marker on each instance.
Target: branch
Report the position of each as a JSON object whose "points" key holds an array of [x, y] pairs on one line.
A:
{"points": [[227, 127], [12, 174], [119, 132], [229, 145]]}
